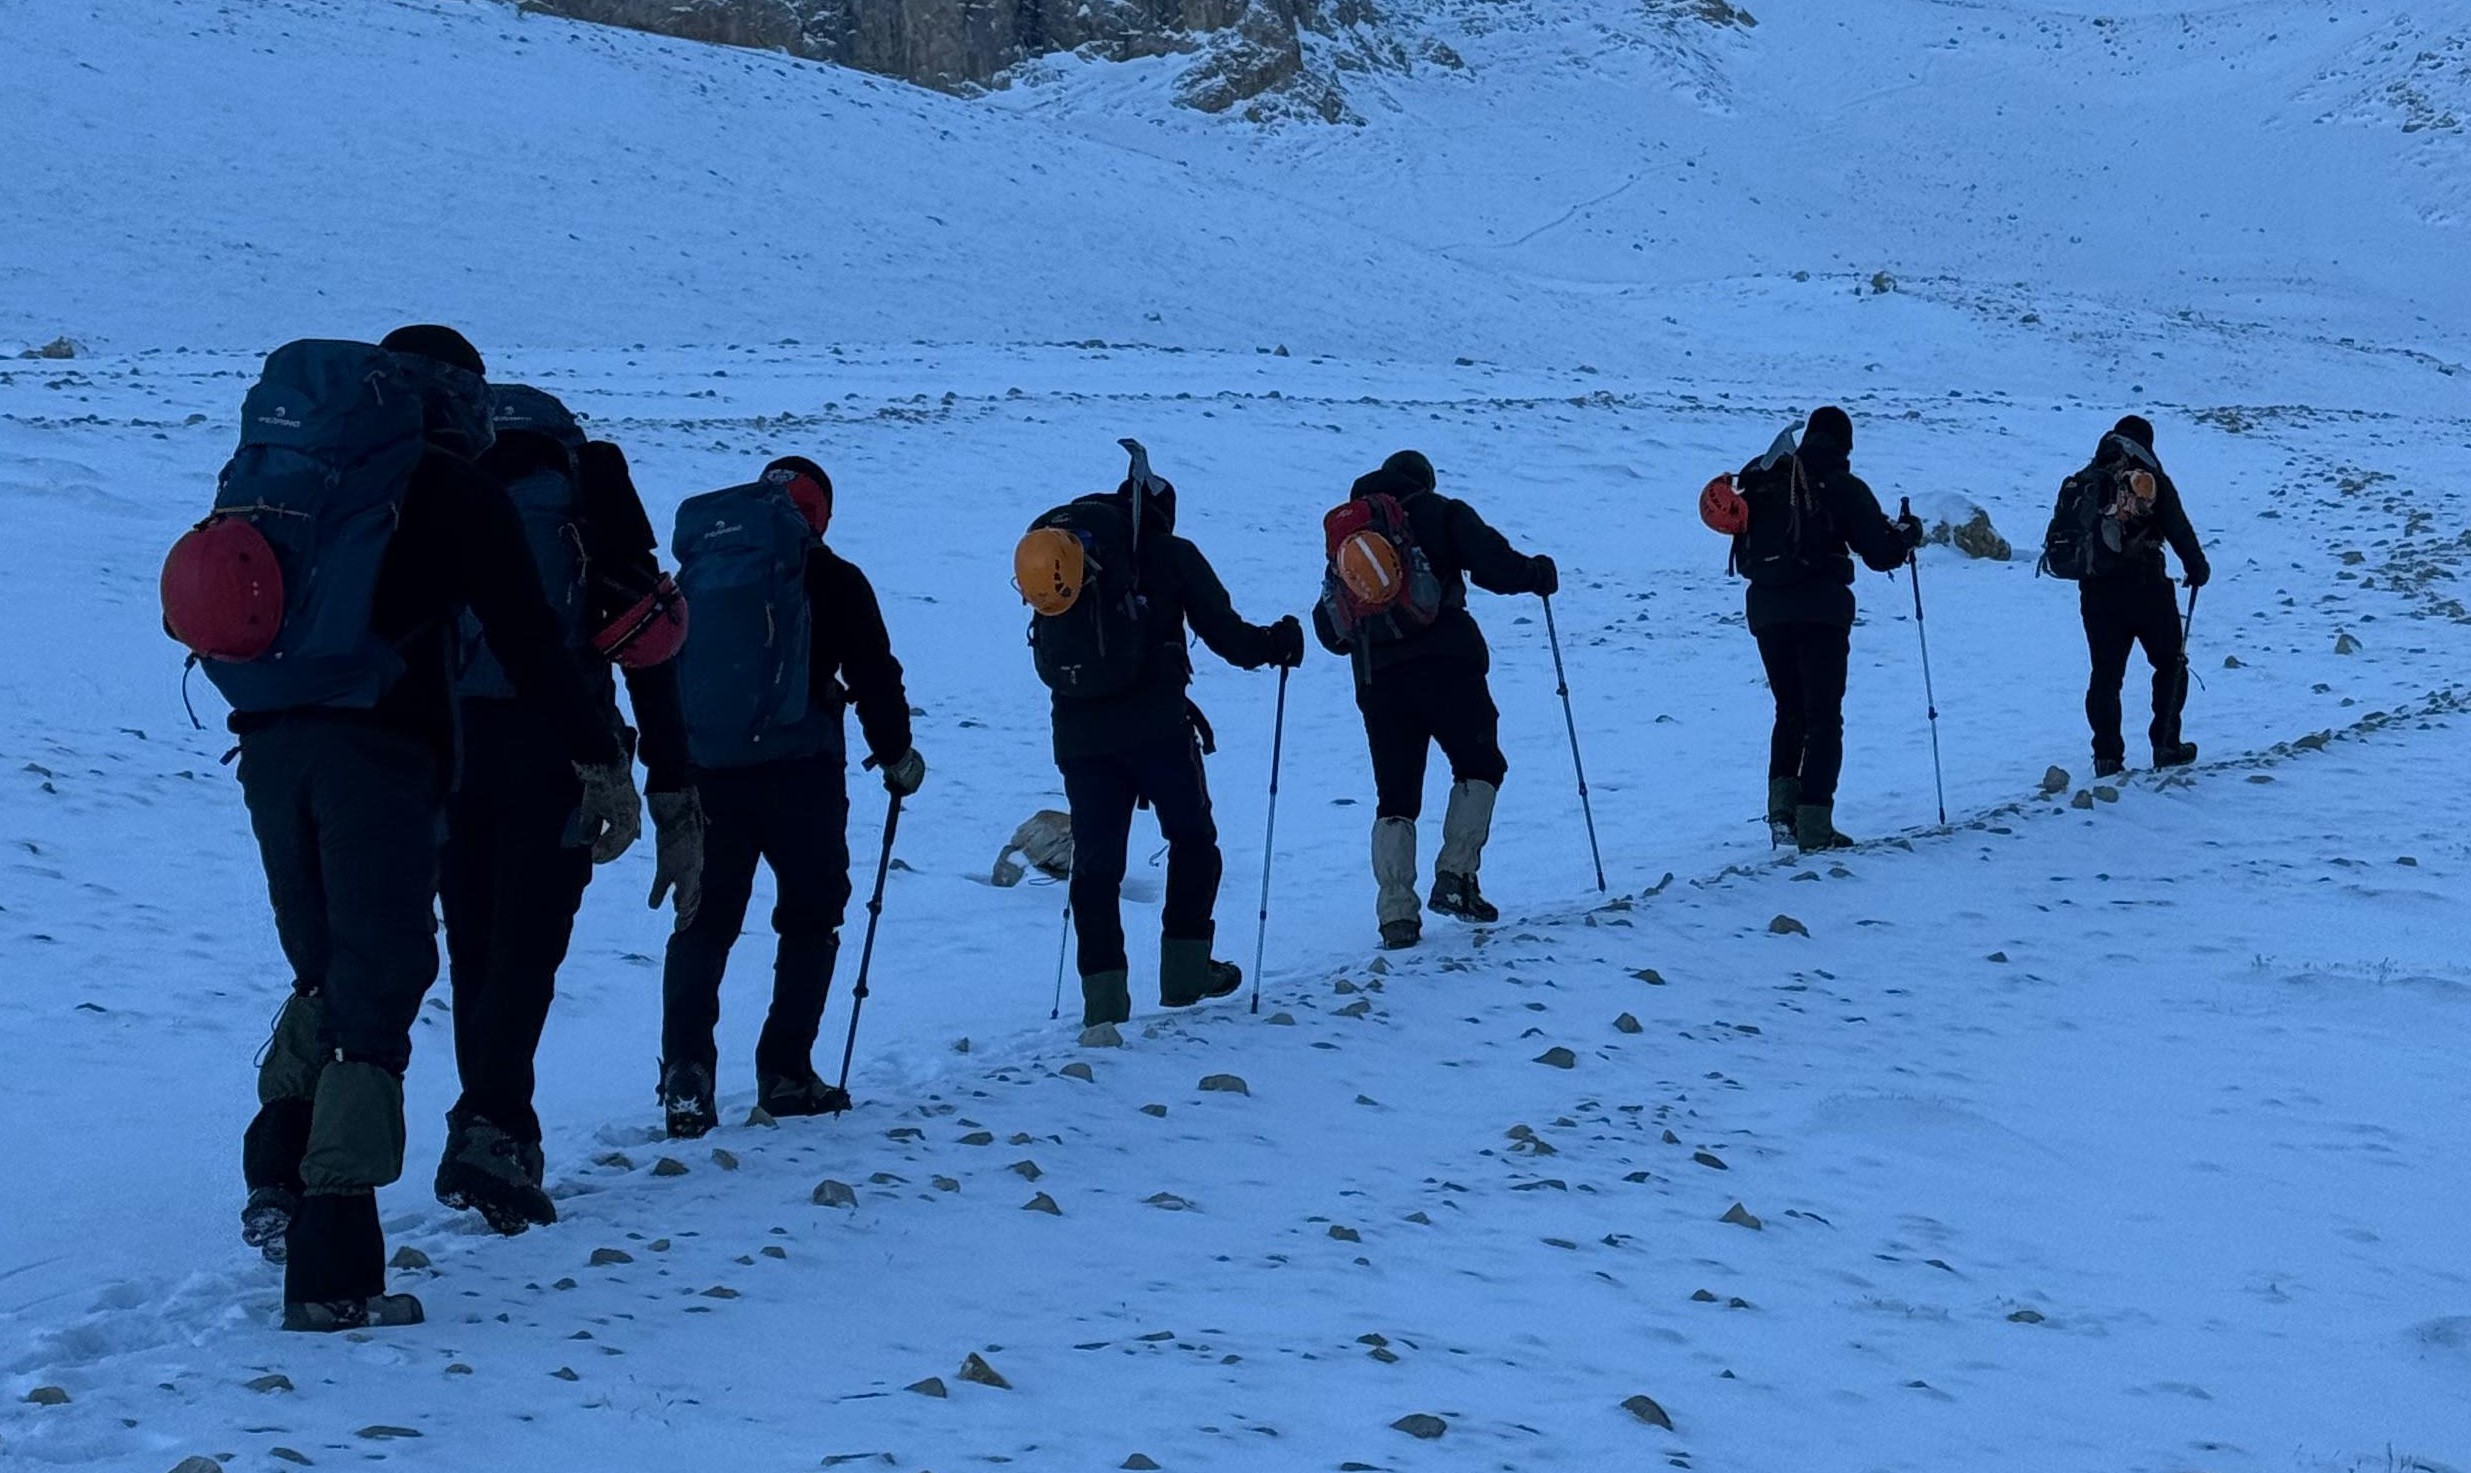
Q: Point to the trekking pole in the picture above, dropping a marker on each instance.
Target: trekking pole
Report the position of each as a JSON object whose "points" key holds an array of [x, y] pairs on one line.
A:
{"points": [[1553, 637], [2187, 669], [1930, 696], [1062, 946], [866, 953], [1278, 745]]}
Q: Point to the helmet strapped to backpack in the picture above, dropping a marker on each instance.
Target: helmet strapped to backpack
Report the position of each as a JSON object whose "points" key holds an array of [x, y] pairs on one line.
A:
{"points": [[1721, 506], [649, 631], [1378, 587], [2104, 513], [223, 590], [1049, 567]]}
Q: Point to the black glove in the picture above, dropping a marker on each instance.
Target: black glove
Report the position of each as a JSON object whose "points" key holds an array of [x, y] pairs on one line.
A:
{"points": [[678, 822], [2200, 573], [906, 776], [1910, 528], [1548, 578], [1287, 643], [610, 818]]}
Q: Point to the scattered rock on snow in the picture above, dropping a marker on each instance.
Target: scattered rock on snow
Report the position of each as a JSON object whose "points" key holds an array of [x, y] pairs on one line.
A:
{"points": [[726, 1160], [2025, 1317], [1627, 1024], [1167, 1201], [272, 1381], [1558, 1058], [1026, 1170], [1741, 1216], [1080, 1071], [2231, 662], [294, 1456], [1710, 1159], [759, 1116], [669, 1166], [48, 1396], [1101, 1035], [610, 1257], [2106, 794], [1282, 1020], [1423, 1425], [1645, 1409], [1361, 1007], [1042, 1203], [1141, 1461], [830, 1193], [1224, 1084], [197, 1465], [1785, 925], [932, 1386], [974, 1368], [2054, 782], [57, 348], [380, 1432], [566, 1373], [1345, 1234], [408, 1256], [2083, 799], [1155, 1111], [2344, 644], [1649, 975]]}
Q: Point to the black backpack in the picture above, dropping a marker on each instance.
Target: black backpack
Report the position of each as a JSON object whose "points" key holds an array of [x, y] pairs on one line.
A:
{"points": [[548, 499], [1099, 648], [2084, 542], [1786, 519]]}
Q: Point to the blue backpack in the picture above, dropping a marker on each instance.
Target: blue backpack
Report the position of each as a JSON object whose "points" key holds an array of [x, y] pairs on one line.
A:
{"points": [[743, 673], [547, 500], [330, 436]]}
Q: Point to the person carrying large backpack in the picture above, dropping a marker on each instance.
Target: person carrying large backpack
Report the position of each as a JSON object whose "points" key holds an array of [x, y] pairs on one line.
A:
{"points": [[2106, 535], [510, 880], [1394, 601], [350, 532], [785, 635], [1799, 516], [1113, 588]]}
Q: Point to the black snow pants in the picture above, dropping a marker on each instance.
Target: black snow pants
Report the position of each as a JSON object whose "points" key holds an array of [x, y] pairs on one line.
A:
{"points": [[509, 884], [793, 816], [1411, 708], [1102, 791], [347, 817], [1806, 674], [2119, 616]]}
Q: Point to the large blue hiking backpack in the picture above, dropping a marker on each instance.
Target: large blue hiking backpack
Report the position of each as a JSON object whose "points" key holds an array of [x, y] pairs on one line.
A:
{"points": [[547, 499], [743, 673], [330, 436]]}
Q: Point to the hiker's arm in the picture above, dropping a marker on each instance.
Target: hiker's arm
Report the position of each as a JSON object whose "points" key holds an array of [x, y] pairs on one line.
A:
{"points": [[620, 549], [1866, 527], [2179, 532], [1323, 631], [1492, 563], [500, 583], [1212, 613], [845, 601]]}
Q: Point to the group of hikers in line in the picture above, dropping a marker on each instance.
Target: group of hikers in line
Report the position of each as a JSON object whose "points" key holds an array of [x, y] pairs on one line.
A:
{"points": [[419, 592]]}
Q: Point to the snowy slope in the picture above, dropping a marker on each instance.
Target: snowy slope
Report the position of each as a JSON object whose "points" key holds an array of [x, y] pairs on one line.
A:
{"points": [[2204, 1119]]}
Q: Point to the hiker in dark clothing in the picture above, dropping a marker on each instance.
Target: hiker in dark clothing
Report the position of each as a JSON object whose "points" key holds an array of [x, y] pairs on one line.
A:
{"points": [[1800, 607], [2133, 603], [790, 812], [1427, 686], [510, 881], [1146, 746], [346, 803]]}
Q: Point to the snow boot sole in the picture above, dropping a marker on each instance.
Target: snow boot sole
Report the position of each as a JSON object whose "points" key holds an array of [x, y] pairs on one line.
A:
{"points": [[266, 1222], [1400, 935], [1457, 896], [327, 1317]]}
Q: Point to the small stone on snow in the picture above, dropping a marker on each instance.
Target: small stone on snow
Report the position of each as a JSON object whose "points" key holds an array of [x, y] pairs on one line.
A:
{"points": [[610, 1257], [1026, 1170], [1159, 1111], [1345, 1234], [1224, 1084], [408, 1256], [1140, 1461], [1785, 925], [48, 1396], [830, 1193], [1422, 1425], [1558, 1058], [1627, 1024], [2025, 1317], [2082, 799], [932, 1386], [2054, 782], [1741, 1216], [975, 1368], [1101, 1035], [1645, 1409], [1080, 1071], [669, 1166], [1042, 1203], [274, 1381]]}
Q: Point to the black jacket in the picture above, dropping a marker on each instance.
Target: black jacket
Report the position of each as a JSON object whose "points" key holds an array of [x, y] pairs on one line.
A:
{"points": [[1178, 587], [1462, 548], [1852, 524], [460, 545], [2169, 523], [850, 659]]}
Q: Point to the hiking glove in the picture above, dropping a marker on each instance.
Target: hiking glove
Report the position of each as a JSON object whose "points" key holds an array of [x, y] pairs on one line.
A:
{"points": [[1548, 577], [678, 824], [1910, 528], [610, 817], [1287, 643], [907, 776], [2199, 571]]}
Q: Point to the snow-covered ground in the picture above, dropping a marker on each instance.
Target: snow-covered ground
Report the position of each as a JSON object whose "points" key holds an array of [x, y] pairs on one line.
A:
{"points": [[2178, 1075]]}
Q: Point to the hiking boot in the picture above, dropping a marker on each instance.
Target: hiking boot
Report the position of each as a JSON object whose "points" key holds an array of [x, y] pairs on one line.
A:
{"points": [[1106, 997], [326, 1317], [1187, 975], [784, 1096], [1394, 882], [1457, 895], [266, 1222], [2114, 766], [487, 1171], [1400, 935], [1784, 795], [1814, 829], [686, 1098], [2175, 754]]}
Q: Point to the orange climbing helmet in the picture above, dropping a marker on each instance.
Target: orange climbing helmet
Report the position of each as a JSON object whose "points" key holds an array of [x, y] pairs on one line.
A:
{"points": [[1721, 506]]}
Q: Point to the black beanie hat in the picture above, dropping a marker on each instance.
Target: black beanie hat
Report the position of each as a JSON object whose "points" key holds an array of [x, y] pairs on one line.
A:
{"points": [[2136, 427], [1411, 466], [1830, 425], [447, 346]]}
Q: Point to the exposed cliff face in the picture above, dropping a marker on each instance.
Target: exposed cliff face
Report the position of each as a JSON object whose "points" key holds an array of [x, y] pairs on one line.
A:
{"points": [[1250, 55]]}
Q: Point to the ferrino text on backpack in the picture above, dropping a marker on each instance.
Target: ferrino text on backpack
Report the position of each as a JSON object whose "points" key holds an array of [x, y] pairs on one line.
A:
{"points": [[1378, 586], [2104, 512], [547, 497], [1079, 569], [743, 674], [1779, 513], [273, 593]]}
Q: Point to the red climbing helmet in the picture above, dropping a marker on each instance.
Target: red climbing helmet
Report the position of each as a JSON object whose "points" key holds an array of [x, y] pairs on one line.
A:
{"points": [[223, 590], [1722, 507], [650, 632]]}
